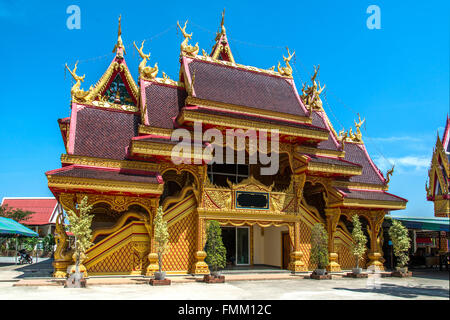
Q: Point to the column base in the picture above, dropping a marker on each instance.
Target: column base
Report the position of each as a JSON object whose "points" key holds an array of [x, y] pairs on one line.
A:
{"points": [[375, 262], [296, 264], [60, 268], [333, 266], [200, 267], [153, 266]]}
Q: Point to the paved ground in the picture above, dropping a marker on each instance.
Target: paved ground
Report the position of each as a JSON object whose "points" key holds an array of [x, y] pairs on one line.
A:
{"points": [[431, 285]]}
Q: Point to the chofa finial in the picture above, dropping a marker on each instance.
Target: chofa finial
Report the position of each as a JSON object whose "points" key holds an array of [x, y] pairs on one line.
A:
{"points": [[119, 43]]}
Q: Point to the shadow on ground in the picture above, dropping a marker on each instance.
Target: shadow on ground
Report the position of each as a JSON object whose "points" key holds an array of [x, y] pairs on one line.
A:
{"points": [[404, 291], [39, 269]]}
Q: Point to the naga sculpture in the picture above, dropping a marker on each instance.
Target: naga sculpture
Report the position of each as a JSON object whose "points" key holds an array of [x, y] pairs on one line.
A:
{"points": [[286, 71], [185, 47], [311, 94], [76, 91], [358, 125], [145, 71], [388, 175]]}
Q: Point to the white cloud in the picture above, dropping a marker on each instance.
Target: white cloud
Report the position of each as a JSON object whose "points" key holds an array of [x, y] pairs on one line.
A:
{"points": [[398, 139], [404, 164]]}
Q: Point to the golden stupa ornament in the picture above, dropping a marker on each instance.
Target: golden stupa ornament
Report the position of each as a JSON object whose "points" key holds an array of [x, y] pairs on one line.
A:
{"points": [[286, 71], [145, 71], [185, 47]]}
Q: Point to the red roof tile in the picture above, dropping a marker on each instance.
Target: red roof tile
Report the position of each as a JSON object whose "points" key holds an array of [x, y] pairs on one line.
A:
{"points": [[42, 208]]}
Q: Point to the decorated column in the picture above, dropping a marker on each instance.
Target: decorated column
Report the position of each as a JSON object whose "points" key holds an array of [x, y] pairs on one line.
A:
{"points": [[374, 227], [152, 256], [200, 266], [296, 264], [333, 216]]}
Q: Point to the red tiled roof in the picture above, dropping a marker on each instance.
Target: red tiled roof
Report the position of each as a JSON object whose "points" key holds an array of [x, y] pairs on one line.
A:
{"points": [[357, 153], [220, 83], [369, 195], [42, 208], [163, 104], [103, 133]]}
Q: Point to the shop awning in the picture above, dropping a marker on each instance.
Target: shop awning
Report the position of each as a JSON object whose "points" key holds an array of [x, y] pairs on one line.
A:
{"points": [[10, 227], [431, 224]]}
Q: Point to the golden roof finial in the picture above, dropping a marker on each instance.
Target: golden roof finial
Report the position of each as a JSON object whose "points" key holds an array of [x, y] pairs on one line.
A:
{"points": [[223, 21], [119, 43]]}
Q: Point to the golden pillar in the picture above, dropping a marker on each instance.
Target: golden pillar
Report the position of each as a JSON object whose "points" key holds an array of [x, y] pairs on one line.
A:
{"points": [[333, 216], [200, 266], [152, 256], [375, 222], [296, 264]]}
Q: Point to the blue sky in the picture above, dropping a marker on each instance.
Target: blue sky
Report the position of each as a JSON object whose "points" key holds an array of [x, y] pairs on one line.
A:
{"points": [[396, 77]]}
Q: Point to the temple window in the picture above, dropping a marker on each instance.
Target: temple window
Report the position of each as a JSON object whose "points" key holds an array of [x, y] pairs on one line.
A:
{"points": [[218, 174]]}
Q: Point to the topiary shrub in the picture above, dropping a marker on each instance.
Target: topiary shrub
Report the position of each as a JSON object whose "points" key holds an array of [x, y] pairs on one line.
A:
{"points": [[215, 250], [319, 246]]}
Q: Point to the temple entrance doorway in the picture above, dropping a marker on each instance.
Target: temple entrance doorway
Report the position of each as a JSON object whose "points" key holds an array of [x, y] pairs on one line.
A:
{"points": [[237, 243]]}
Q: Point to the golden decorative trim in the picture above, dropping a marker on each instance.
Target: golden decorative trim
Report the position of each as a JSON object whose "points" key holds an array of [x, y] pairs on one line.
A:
{"points": [[251, 111], [145, 72], [122, 187], [319, 152], [185, 47], [286, 71], [358, 185], [109, 105], [393, 205], [143, 129], [333, 168], [109, 163], [149, 148], [187, 115]]}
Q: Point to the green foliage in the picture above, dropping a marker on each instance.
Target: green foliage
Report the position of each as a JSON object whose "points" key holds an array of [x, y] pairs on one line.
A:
{"points": [[48, 242], [359, 240], [161, 236], [215, 250], [17, 215], [319, 246], [29, 243], [400, 242], [80, 226]]}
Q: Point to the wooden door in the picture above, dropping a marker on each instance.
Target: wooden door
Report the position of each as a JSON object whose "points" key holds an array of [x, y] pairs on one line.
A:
{"points": [[286, 249]]}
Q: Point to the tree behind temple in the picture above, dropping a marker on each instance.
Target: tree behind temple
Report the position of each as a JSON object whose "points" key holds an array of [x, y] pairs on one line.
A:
{"points": [[17, 215], [400, 242]]}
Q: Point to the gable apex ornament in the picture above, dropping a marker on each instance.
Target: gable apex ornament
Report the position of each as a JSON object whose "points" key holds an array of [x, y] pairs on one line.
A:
{"points": [[286, 71], [185, 47]]}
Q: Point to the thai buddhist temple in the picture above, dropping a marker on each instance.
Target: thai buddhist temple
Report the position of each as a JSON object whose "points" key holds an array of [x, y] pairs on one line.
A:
{"points": [[119, 153], [437, 186]]}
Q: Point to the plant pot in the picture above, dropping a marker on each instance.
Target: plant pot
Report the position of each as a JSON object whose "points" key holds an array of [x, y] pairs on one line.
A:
{"points": [[320, 272], [357, 270], [402, 269], [215, 274], [160, 275]]}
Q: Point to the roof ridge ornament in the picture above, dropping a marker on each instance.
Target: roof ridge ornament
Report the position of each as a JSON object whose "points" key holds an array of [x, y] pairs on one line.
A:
{"points": [[146, 72], [76, 91], [286, 71], [119, 43], [311, 94], [185, 47], [221, 50], [388, 176], [358, 134]]}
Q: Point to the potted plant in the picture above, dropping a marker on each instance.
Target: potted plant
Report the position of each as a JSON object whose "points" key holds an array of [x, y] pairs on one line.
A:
{"points": [[359, 243], [80, 225], [401, 243], [319, 249], [215, 252], [161, 245]]}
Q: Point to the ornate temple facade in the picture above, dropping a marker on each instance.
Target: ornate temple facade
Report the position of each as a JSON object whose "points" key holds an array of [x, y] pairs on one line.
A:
{"points": [[437, 186], [118, 153]]}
